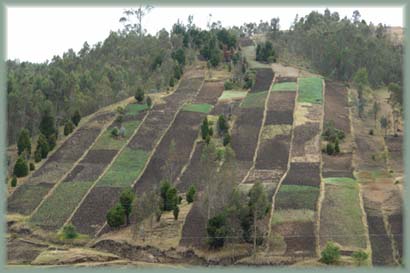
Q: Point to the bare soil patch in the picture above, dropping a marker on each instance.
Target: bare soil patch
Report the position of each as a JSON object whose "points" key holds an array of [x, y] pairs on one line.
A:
{"points": [[381, 245], [192, 174], [226, 108], [396, 228], [303, 173], [337, 165], [85, 172], [90, 216], [245, 133], [299, 238], [22, 251], [274, 153], [186, 122], [336, 106], [280, 108], [264, 176], [263, 80], [194, 230], [302, 135], [99, 156], [210, 92], [27, 197], [395, 147]]}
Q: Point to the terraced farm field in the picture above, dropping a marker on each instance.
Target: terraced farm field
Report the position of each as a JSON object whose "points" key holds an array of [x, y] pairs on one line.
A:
{"points": [[276, 130]]}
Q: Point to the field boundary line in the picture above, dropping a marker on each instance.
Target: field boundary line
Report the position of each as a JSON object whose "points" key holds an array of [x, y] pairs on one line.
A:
{"points": [[288, 163], [322, 184], [50, 192], [154, 150], [255, 154], [105, 170]]}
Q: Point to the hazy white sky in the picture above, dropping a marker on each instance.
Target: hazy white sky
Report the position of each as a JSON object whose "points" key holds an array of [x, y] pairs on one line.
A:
{"points": [[38, 33]]}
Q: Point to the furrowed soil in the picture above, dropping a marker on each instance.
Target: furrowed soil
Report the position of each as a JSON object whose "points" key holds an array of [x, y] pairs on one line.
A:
{"points": [[280, 108], [263, 80], [336, 106], [192, 175], [145, 139], [337, 165], [303, 173], [56, 166], [210, 92]]}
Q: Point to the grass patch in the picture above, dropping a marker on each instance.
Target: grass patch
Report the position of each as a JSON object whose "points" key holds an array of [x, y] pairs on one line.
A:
{"points": [[341, 213], [292, 215], [298, 197], [284, 86], [106, 141], [232, 95], [254, 100], [125, 169], [270, 131], [201, 108], [310, 90], [135, 108], [58, 207]]}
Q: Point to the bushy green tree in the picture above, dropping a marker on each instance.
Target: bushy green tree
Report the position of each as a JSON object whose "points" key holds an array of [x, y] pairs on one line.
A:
{"points": [[360, 257], [222, 124], [217, 231], [139, 94], [68, 128], [115, 132], [20, 168], [169, 196], [126, 199], [115, 216], [337, 148], [175, 212], [24, 143], [226, 139], [48, 128], [14, 181], [190, 196], [69, 232], [76, 118], [32, 167], [205, 128], [330, 148], [331, 253], [149, 102]]}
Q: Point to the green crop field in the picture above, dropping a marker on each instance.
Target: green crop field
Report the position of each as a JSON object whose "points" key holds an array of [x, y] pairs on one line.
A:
{"points": [[297, 197], [58, 207], [292, 215], [226, 95], [284, 86], [106, 141], [254, 100], [201, 108], [125, 169], [135, 108], [341, 212], [310, 90]]}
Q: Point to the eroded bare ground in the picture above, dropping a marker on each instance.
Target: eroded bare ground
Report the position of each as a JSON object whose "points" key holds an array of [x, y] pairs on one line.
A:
{"points": [[381, 190]]}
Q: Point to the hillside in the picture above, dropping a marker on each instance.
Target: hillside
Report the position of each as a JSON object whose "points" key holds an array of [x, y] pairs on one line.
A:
{"points": [[277, 131]]}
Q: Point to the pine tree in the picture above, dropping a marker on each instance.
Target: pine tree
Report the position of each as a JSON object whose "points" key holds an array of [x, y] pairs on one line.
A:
{"points": [[24, 143], [21, 167]]}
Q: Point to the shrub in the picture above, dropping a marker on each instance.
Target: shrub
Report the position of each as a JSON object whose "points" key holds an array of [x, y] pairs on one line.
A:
{"points": [[337, 148], [179, 200], [331, 253], [175, 212], [207, 139], [52, 141], [76, 118], [37, 156], [171, 200], [115, 132], [68, 128], [227, 139], [120, 110], [330, 133], [24, 142], [119, 119], [190, 196], [222, 124], [360, 257], [211, 131], [32, 167], [14, 181], [21, 168], [371, 132], [43, 146], [69, 232], [126, 199], [172, 82], [220, 153], [115, 216], [149, 102], [205, 128], [216, 231], [139, 94], [228, 85], [330, 148]]}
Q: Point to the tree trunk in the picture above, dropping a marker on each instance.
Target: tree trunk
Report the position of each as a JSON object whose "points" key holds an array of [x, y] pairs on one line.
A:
{"points": [[254, 235]]}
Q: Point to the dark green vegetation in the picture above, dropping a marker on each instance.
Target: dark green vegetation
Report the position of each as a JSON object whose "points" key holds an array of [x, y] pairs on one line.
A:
{"points": [[21, 167], [265, 52], [331, 254]]}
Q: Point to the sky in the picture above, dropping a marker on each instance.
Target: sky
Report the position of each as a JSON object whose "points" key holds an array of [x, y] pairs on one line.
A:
{"points": [[36, 34]]}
